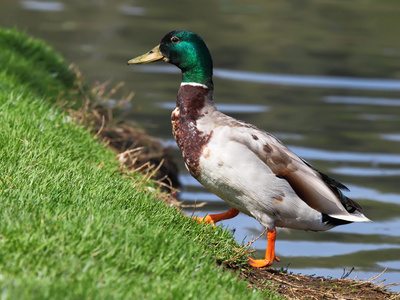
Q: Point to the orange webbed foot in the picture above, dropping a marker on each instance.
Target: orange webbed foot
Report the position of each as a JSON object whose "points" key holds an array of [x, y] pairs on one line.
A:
{"points": [[261, 263], [205, 220], [269, 253], [212, 219]]}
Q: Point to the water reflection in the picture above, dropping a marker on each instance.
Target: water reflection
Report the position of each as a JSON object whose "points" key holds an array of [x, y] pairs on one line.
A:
{"points": [[325, 249], [388, 230], [354, 171], [293, 80], [49, 6], [312, 81], [358, 192], [391, 137], [362, 100], [199, 196], [394, 265], [344, 156]]}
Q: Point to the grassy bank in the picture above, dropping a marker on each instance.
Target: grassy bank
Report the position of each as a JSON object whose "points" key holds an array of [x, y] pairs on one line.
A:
{"points": [[71, 226]]}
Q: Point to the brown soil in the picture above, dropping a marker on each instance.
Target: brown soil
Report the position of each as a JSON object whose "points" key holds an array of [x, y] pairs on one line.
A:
{"points": [[297, 286], [139, 152]]}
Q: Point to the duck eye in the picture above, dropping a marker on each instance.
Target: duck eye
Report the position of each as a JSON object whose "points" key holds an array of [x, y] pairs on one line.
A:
{"points": [[175, 40]]}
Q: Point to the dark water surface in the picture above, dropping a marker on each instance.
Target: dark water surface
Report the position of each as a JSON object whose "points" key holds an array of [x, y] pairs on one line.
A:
{"points": [[323, 76]]}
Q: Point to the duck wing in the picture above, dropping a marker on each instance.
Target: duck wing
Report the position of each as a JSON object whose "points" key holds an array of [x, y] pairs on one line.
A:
{"points": [[318, 190], [336, 187]]}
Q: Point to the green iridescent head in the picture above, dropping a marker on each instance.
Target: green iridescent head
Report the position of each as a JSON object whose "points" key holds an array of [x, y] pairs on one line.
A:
{"points": [[187, 51]]}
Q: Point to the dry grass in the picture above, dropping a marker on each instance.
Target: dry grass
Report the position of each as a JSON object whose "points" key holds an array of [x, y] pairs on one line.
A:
{"points": [[137, 151]]}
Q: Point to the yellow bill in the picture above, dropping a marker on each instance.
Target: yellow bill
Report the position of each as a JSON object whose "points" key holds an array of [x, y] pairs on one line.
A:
{"points": [[153, 55]]}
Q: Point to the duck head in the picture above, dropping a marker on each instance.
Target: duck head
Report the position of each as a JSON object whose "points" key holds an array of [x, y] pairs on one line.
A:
{"points": [[187, 51]]}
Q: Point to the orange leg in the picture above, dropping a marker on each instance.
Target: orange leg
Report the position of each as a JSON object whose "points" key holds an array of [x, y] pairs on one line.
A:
{"points": [[212, 219], [269, 254]]}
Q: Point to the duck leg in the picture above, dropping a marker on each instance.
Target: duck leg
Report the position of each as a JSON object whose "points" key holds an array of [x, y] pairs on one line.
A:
{"points": [[269, 254], [212, 219]]}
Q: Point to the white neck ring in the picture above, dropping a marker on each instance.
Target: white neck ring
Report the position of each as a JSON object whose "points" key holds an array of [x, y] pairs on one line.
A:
{"points": [[194, 84]]}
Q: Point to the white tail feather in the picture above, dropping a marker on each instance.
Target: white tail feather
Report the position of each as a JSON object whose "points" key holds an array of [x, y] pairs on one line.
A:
{"points": [[353, 217]]}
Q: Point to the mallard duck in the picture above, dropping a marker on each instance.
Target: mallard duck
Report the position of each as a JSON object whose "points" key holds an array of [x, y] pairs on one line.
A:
{"points": [[250, 169]]}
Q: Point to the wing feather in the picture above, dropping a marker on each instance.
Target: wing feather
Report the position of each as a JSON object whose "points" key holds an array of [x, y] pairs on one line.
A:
{"points": [[315, 188]]}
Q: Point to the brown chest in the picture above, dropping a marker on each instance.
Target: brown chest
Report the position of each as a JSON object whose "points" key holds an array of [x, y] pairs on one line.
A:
{"points": [[191, 141]]}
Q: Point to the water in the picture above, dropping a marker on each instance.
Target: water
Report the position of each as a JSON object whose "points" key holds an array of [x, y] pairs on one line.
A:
{"points": [[324, 77], [303, 81]]}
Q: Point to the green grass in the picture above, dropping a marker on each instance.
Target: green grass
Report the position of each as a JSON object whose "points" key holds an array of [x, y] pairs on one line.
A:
{"points": [[71, 227]]}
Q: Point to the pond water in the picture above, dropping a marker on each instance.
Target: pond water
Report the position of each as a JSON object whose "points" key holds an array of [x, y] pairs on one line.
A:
{"points": [[324, 77]]}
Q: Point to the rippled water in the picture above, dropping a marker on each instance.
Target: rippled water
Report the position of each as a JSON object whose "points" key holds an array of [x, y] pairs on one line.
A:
{"points": [[324, 77]]}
